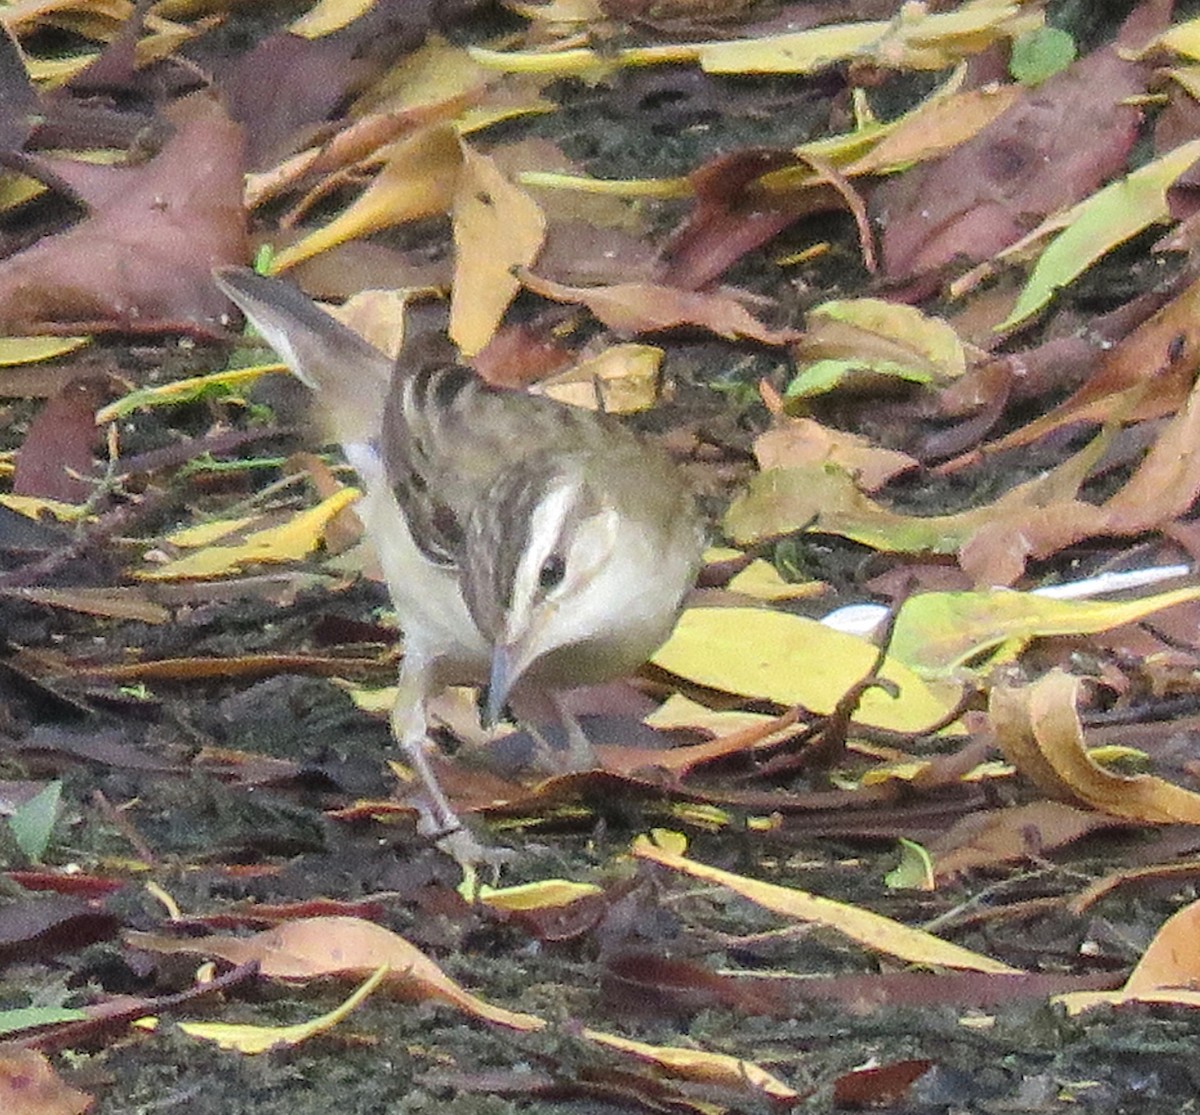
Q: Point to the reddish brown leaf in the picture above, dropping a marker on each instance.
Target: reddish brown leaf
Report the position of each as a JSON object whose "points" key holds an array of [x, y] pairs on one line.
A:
{"points": [[56, 459], [885, 1086], [650, 308], [1061, 141], [29, 1086], [142, 259]]}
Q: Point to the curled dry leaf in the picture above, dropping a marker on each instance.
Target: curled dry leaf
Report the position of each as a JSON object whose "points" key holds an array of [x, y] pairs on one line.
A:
{"points": [[856, 335], [1038, 729]]}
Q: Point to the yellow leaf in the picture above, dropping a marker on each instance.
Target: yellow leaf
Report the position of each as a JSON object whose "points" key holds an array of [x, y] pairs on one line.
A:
{"points": [[417, 180], [497, 227], [790, 660], [660, 188], [623, 379], [1038, 729], [291, 541], [915, 39], [35, 507], [536, 896], [761, 580], [204, 534], [855, 335], [373, 700], [1183, 38], [33, 350], [698, 1065], [327, 16], [1098, 224], [436, 73], [261, 1039], [185, 390], [872, 931], [678, 711], [938, 633]]}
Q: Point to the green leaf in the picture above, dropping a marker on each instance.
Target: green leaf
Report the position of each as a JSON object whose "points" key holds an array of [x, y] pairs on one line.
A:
{"points": [[937, 634], [1098, 224], [1040, 54], [28, 1018], [915, 869], [32, 823]]}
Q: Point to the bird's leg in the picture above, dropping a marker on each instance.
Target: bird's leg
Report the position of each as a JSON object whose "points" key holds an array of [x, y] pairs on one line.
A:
{"points": [[409, 727], [581, 755], [438, 818], [536, 709]]}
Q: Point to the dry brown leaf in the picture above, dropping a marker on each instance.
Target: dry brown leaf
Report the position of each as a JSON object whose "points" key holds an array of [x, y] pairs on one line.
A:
{"points": [[796, 441], [649, 308], [1169, 971], [1010, 835], [29, 1086], [1038, 729], [314, 947]]}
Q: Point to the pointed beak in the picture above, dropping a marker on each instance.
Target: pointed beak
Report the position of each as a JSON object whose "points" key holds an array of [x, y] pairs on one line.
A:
{"points": [[503, 676]]}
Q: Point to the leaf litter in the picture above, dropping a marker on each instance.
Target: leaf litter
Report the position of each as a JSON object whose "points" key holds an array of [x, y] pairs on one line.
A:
{"points": [[909, 291]]}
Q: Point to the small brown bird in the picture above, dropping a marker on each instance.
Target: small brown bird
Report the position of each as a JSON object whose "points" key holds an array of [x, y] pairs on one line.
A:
{"points": [[526, 543]]}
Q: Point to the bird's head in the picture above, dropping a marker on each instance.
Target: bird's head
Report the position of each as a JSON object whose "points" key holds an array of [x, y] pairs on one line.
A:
{"points": [[539, 569]]}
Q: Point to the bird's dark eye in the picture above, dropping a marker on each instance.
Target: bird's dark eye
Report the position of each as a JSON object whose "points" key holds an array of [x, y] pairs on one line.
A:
{"points": [[553, 570]]}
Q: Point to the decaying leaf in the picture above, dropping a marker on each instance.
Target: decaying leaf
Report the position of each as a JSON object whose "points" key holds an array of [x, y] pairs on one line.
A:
{"points": [[1037, 727]]}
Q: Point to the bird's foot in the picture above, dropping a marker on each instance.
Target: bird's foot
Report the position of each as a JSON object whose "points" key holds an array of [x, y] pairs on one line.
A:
{"points": [[451, 836]]}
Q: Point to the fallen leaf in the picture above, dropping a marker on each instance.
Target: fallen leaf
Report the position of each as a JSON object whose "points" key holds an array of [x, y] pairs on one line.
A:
{"points": [[849, 337], [1167, 973], [418, 179], [698, 1065], [649, 308], [797, 442], [1038, 729], [245, 1038], [873, 931], [937, 634], [498, 228], [291, 541], [1108, 218], [791, 660], [623, 379], [1055, 145], [30, 1086], [142, 259], [314, 947], [1002, 836]]}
